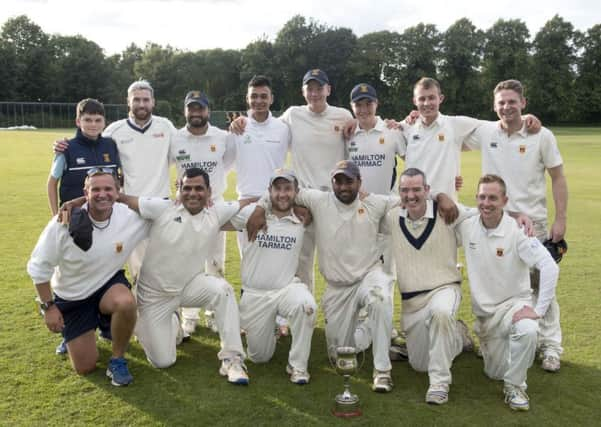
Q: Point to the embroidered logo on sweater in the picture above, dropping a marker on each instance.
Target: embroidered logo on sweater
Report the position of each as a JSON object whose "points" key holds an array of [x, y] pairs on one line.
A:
{"points": [[499, 252]]}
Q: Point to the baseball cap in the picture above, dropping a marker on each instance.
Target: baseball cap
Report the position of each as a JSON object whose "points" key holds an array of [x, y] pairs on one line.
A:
{"points": [[318, 75], [363, 91], [556, 249], [348, 168], [286, 174], [196, 96]]}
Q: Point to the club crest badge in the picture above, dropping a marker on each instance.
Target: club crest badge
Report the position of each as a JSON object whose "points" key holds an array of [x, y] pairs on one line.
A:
{"points": [[381, 140], [522, 149], [106, 157], [119, 247], [213, 148], [361, 211], [499, 252], [336, 128], [441, 137]]}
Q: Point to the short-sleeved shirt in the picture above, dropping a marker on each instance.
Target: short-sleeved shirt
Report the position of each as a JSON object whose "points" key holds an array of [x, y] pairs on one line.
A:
{"points": [[521, 160], [374, 151], [259, 151], [436, 150], [271, 261], [213, 152], [144, 154], [498, 262], [317, 143], [179, 242]]}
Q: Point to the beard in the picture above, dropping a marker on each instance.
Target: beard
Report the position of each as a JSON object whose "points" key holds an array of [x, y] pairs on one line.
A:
{"points": [[197, 122], [141, 113]]}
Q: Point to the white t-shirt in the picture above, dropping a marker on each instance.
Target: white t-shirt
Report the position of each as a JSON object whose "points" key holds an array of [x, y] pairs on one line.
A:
{"points": [[179, 242], [214, 152], [436, 150], [259, 151], [317, 143], [144, 154], [75, 274], [374, 151], [271, 261], [498, 262], [521, 160], [346, 235]]}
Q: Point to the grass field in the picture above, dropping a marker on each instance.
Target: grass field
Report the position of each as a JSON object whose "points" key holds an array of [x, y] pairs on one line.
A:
{"points": [[39, 388]]}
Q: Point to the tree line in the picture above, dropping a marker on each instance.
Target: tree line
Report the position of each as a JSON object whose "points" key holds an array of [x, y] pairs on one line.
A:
{"points": [[560, 67]]}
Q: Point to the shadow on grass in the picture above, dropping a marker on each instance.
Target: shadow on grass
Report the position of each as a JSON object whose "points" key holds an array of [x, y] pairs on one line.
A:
{"points": [[192, 392]]}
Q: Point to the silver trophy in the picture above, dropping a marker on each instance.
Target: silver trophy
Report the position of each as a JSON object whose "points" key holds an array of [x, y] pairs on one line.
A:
{"points": [[346, 404]]}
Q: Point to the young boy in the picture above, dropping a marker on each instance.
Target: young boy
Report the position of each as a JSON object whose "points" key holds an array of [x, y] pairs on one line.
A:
{"points": [[86, 151]]}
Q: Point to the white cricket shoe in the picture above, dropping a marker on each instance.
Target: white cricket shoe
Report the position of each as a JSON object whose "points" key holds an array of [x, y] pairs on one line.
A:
{"points": [[297, 376], [210, 321], [550, 363], [235, 371], [516, 398], [189, 326], [382, 382], [437, 394]]}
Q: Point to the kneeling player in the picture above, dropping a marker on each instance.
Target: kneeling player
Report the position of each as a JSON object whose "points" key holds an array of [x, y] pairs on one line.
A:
{"points": [[269, 285]]}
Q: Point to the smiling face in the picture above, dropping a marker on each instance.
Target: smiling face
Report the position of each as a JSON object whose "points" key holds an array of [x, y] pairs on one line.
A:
{"points": [[196, 115], [427, 101], [193, 193], [414, 194], [101, 193], [491, 199], [282, 193], [345, 188], [141, 104], [259, 99], [508, 106], [365, 112], [316, 95]]}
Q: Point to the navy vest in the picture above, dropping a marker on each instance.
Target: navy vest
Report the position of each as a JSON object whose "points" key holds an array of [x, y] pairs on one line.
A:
{"points": [[82, 155]]}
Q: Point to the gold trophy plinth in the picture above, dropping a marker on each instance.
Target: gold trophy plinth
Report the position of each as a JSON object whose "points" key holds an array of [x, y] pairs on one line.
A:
{"points": [[346, 404]]}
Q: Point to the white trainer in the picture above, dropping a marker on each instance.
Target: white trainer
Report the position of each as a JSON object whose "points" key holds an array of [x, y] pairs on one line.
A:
{"points": [[550, 363], [189, 326], [516, 398], [297, 376], [437, 394], [382, 382], [210, 321], [235, 371]]}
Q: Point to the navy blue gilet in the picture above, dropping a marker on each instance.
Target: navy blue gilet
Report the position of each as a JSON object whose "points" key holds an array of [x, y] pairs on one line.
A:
{"points": [[83, 154]]}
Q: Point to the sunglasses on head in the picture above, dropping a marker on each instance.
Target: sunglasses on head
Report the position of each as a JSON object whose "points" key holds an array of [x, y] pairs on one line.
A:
{"points": [[100, 171]]}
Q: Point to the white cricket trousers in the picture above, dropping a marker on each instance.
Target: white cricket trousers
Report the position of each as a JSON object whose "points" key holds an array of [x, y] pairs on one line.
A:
{"points": [[341, 305], [215, 266], [258, 311], [134, 262], [507, 348], [433, 338], [549, 332], [158, 324]]}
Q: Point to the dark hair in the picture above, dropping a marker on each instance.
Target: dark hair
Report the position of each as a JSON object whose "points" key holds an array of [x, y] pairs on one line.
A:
{"points": [[89, 106], [193, 173], [259, 80], [415, 172], [490, 178]]}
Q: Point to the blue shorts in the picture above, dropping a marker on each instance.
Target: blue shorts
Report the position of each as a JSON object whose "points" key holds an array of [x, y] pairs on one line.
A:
{"points": [[84, 315]]}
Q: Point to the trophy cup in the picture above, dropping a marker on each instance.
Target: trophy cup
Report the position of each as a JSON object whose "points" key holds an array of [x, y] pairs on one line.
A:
{"points": [[346, 404]]}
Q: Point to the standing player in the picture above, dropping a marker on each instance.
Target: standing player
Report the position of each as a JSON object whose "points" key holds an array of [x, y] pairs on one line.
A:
{"points": [[78, 274], [269, 285], [499, 256], [317, 143], [180, 239], [521, 159], [201, 145]]}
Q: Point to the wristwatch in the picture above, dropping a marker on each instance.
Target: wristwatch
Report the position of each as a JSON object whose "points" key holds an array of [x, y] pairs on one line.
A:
{"points": [[44, 306]]}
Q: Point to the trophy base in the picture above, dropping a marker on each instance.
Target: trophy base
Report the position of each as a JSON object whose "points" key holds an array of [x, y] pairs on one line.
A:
{"points": [[346, 408]]}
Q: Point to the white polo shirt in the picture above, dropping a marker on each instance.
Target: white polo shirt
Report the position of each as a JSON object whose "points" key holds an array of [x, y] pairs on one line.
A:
{"points": [[436, 150], [259, 151], [179, 242], [346, 235], [214, 152], [75, 274], [374, 151], [317, 143], [144, 154], [521, 160], [271, 261], [498, 262]]}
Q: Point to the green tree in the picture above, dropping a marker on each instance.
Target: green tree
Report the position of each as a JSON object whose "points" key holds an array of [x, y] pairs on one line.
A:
{"points": [[588, 82], [8, 73], [461, 51], [29, 46], [550, 86]]}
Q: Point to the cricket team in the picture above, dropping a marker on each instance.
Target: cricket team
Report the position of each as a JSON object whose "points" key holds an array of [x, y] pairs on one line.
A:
{"points": [[342, 199]]}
